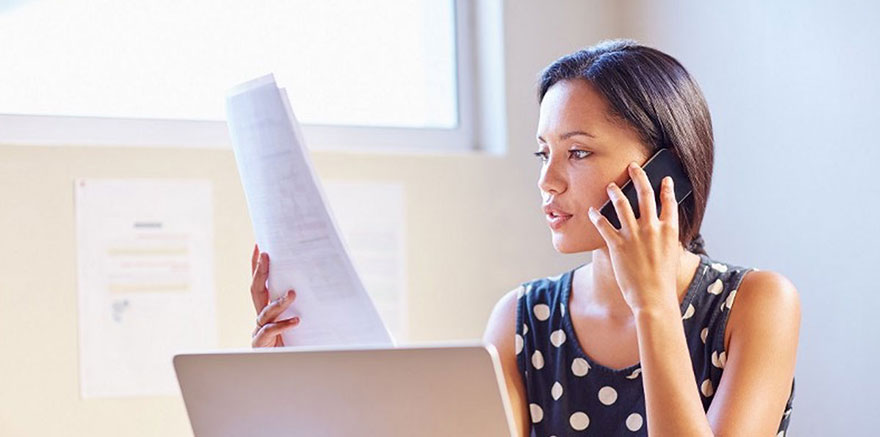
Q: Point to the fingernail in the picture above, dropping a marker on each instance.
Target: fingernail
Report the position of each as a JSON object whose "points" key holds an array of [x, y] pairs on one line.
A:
{"points": [[294, 320], [289, 294], [592, 212], [633, 165]]}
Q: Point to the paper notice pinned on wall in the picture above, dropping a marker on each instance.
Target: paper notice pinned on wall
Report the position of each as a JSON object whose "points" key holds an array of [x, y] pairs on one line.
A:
{"points": [[145, 281]]}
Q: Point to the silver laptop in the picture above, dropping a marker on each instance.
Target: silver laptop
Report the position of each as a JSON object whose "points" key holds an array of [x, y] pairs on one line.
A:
{"points": [[415, 390]]}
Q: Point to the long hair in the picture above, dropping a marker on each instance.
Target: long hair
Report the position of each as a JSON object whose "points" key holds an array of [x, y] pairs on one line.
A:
{"points": [[652, 93]]}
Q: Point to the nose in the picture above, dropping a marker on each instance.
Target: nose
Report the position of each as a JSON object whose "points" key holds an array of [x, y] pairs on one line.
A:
{"points": [[552, 179]]}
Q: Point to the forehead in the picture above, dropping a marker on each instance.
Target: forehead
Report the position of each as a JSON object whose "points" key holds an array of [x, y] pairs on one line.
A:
{"points": [[572, 105]]}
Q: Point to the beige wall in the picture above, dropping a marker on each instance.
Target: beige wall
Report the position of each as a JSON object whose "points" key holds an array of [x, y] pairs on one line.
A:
{"points": [[474, 231]]}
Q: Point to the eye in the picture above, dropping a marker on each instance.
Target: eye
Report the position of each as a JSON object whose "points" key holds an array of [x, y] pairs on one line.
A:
{"points": [[580, 154]]}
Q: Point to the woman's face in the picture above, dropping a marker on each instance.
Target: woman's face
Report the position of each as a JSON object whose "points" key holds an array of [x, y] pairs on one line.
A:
{"points": [[583, 151]]}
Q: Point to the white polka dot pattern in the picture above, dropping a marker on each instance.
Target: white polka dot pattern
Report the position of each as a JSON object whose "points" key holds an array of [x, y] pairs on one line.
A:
{"points": [[634, 422], [706, 388], [718, 360], [607, 395], [536, 412], [557, 338], [556, 391], [689, 312], [556, 395], [579, 421], [542, 312], [537, 360], [720, 267], [730, 298], [580, 367]]}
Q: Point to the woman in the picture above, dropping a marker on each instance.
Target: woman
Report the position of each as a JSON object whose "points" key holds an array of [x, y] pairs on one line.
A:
{"points": [[568, 343]]}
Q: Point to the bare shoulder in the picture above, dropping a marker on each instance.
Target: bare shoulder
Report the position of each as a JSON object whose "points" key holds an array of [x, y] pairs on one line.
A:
{"points": [[501, 332], [770, 290], [765, 298], [501, 328]]}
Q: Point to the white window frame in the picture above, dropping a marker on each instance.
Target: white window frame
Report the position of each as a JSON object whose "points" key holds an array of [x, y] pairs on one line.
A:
{"points": [[43, 130]]}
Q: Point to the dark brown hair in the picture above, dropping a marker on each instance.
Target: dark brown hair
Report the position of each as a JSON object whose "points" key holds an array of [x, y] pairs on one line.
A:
{"points": [[652, 93]]}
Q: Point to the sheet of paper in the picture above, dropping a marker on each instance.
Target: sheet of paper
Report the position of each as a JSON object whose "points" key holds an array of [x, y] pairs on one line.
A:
{"points": [[145, 280], [293, 224], [374, 234]]}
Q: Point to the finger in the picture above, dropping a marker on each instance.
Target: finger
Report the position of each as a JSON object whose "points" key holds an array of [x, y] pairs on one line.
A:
{"points": [[259, 293], [669, 204], [260, 327], [274, 309], [623, 208], [647, 203], [267, 335], [606, 229], [254, 258]]}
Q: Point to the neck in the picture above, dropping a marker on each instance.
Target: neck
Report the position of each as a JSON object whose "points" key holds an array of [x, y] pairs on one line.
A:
{"points": [[595, 289]]}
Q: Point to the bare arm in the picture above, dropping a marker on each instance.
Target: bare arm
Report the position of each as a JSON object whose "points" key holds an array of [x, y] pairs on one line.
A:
{"points": [[501, 331], [672, 399], [759, 368], [758, 373]]}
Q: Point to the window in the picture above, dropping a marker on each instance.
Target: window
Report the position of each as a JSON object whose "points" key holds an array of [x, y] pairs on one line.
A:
{"points": [[384, 73]]}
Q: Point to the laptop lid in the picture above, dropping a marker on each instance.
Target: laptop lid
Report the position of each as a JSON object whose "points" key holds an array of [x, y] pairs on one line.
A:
{"points": [[433, 390]]}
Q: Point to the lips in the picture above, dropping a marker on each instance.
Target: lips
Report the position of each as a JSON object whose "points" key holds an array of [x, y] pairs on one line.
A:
{"points": [[553, 210], [557, 221], [556, 216]]}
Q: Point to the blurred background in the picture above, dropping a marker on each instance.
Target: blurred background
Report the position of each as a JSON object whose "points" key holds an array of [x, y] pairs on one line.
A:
{"points": [[435, 99]]}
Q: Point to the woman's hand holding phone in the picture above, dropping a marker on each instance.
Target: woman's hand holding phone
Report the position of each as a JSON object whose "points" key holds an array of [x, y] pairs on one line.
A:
{"points": [[644, 251], [663, 163], [269, 329]]}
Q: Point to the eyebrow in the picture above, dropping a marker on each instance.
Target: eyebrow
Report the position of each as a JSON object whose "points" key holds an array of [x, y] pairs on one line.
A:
{"points": [[568, 135]]}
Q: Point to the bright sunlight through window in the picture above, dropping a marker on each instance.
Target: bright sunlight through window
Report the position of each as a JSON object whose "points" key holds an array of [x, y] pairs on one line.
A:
{"points": [[381, 63]]}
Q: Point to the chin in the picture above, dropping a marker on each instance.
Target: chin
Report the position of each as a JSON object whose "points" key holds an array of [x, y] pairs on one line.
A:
{"points": [[570, 244]]}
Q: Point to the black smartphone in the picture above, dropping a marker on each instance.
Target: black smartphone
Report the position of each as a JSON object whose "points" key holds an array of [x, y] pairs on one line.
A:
{"points": [[662, 164]]}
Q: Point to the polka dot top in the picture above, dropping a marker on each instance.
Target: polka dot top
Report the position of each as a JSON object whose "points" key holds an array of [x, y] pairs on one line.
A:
{"points": [[570, 394]]}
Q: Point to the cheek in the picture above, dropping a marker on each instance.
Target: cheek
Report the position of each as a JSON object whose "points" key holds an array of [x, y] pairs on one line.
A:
{"points": [[589, 192]]}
